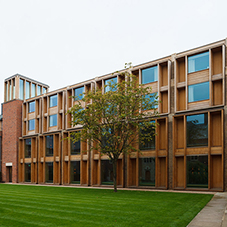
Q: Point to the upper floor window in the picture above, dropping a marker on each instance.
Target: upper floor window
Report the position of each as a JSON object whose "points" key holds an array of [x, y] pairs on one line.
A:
{"points": [[109, 83], [53, 100], [197, 130], [39, 90], [79, 93], [75, 147], [198, 92], [49, 145], [151, 99], [198, 62], [21, 90], [148, 143], [31, 125], [150, 75], [31, 107], [44, 90], [53, 120], [27, 148], [27, 94], [33, 90]]}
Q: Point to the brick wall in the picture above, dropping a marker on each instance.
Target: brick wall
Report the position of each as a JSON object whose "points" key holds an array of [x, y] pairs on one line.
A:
{"points": [[12, 128]]}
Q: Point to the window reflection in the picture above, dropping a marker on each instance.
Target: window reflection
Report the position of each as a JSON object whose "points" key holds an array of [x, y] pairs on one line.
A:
{"points": [[198, 92], [150, 75]]}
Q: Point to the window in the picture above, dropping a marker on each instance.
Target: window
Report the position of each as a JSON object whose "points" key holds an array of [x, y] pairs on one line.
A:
{"points": [[79, 93], [106, 172], [53, 100], [27, 94], [27, 148], [21, 89], [27, 172], [75, 147], [150, 75], [31, 107], [44, 90], [49, 145], [148, 143], [152, 98], [147, 171], [38, 90], [6, 86], [31, 125], [33, 90], [10, 90], [75, 172], [13, 88], [49, 172], [53, 120], [197, 171], [197, 130], [198, 92], [109, 83], [198, 62]]}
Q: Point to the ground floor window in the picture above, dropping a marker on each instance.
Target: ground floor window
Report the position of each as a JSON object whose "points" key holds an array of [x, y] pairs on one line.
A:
{"points": [[75, 172], [197, 171], [27, 172], [49, 172], [147, 171], [106, 172]]}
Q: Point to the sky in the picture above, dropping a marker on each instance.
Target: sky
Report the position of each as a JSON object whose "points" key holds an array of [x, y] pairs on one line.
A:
{"points": [[64, 42]]}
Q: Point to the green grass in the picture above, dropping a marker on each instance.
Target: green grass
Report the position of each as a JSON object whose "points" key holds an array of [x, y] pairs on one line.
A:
{"points": [[24, 205]]}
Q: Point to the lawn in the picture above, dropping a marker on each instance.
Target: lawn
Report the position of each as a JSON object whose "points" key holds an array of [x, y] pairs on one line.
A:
{"points": [[24, 205]]}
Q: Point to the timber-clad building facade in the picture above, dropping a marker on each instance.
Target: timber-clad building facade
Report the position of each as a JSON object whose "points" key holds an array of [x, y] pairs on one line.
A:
{"points": [[188, 151]]}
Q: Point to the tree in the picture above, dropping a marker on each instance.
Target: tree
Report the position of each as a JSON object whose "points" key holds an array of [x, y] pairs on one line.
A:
{"points": [[117, 118]]}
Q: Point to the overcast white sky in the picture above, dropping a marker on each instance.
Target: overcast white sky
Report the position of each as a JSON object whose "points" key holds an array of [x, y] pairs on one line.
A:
{"points": [[63, 42]]}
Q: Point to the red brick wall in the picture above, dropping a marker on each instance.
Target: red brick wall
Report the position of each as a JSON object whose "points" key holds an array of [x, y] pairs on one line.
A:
{"points": [[12, 130]]}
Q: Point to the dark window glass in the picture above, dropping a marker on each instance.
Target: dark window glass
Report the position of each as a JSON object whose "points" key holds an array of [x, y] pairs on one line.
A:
{"points": [[197, 130], [148, 143], [110, 82], [27, 148], [150, 75], [21, 89], [106, 172], [198, 92], [31, 125], [198, 62], [197, 171], [53, 120], [75, 147], [49, 145], [49, 172], [147, 171], [79, 93], [27, 172], [75, 172], [31, 107], [53, 100]]}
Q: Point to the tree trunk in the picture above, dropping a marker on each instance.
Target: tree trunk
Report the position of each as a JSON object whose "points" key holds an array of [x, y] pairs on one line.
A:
{"points": [[115, 175]]}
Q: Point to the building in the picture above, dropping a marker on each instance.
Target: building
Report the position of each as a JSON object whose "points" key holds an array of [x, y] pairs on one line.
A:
{"points": [[189, 150]]}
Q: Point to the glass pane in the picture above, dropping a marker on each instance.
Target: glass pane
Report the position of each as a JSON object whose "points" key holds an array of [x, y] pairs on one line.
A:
{"points": [[198, 62], [197, 171], [27, 172], [150, 75], [31, 107], [197, 130], [75, 147], [10, 91], [106, 172], [109, 82], [27, 148], [21, 89], [44, 90], [38, 90], [6, 86], [31, 124], [14, 89], [53, 120], [49, 146], [49, 172], [53, 100], [147, 171], [27, 94], [148, 143], [33, 90], [198, 92], [152, 99], [78, 93], [75, 172]]}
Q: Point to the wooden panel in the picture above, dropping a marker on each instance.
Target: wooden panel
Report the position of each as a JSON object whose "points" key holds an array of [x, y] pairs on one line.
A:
{"points": [[153, 85], [181, 70], [197, 150], [162, 172], [217, 92], [119, 172], [162, 135], [179, 172], [216, 150], [181, 103], [164, 102], [179, 132], [216, 62], [198, 105], [95, 172], [132, 172], [83, 176], [198, 77], [164, 74], [216, 129], [216, 171]]}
